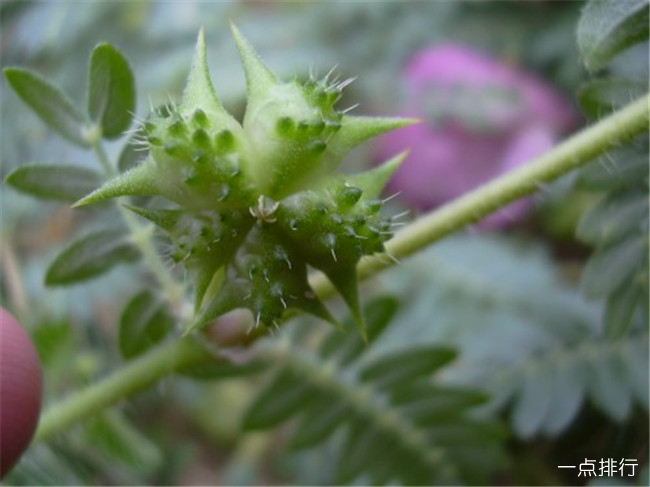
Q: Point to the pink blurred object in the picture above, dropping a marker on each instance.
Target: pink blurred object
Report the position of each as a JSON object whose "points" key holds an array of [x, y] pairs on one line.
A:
{"points": [[20, 390], [481, 118]]}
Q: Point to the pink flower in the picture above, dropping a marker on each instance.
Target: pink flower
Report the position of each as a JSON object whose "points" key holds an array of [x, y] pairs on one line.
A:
{"points": [[481, 118]]}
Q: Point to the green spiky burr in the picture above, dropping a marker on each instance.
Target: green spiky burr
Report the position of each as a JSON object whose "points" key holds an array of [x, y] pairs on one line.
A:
{"points": [[252, 206]]}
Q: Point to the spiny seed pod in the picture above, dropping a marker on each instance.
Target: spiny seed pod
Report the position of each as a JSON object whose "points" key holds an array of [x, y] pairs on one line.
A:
{"points": [[255, 204]]}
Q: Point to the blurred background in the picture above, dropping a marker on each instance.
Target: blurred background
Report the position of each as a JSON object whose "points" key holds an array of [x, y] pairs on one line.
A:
{"points": [[495, 84]]}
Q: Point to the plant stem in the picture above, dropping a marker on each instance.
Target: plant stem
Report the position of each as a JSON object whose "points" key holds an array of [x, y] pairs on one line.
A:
{"points": [[133, 377], [172, 290], [100, 153], [574, 152]]}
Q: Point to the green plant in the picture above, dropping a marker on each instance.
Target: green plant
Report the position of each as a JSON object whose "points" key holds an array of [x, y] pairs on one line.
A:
{"points": [[248, 209]]}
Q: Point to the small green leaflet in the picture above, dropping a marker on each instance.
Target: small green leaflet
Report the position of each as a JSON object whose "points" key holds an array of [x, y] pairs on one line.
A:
{"points": [[610, 266], [49, 103], [111, 91], [602, 96], [607, 27], [54, 181], [114, 435], [89, 256], [614, 218], [286, 394], [145, 321], [391, 370], [622, 168], [346, 347]]}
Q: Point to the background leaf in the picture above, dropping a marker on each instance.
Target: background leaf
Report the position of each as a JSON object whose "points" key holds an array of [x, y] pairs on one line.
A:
{"points": [[617, 226], [116, 437], [144, 322], [620, 307], [394, 369], [90, 256], [58, 182], [523, 335], [601, 96], [49, 103], [606, 27], [224, 370], [534, 401], [622, 168], [287, 393], [387, 420], [111, 91], [613, 218], [346, 347]]}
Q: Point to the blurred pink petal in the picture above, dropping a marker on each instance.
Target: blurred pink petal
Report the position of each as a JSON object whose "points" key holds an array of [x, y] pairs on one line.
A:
{"points": [[482, 118]]}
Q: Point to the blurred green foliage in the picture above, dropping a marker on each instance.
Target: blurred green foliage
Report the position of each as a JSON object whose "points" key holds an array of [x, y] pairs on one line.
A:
{"points": [[613, 38]]}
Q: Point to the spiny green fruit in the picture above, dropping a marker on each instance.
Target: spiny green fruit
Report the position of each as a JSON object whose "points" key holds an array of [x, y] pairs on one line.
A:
{"points": [[255, 204]]}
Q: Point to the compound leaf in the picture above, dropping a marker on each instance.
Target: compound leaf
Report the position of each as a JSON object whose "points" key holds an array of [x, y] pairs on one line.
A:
{"points": [[382, 441]]}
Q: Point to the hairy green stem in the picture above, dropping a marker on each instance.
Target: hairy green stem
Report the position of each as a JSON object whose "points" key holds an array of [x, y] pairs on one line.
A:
{"points": [[133, 377], [574, 152], [100, 153], [172, 289]]}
